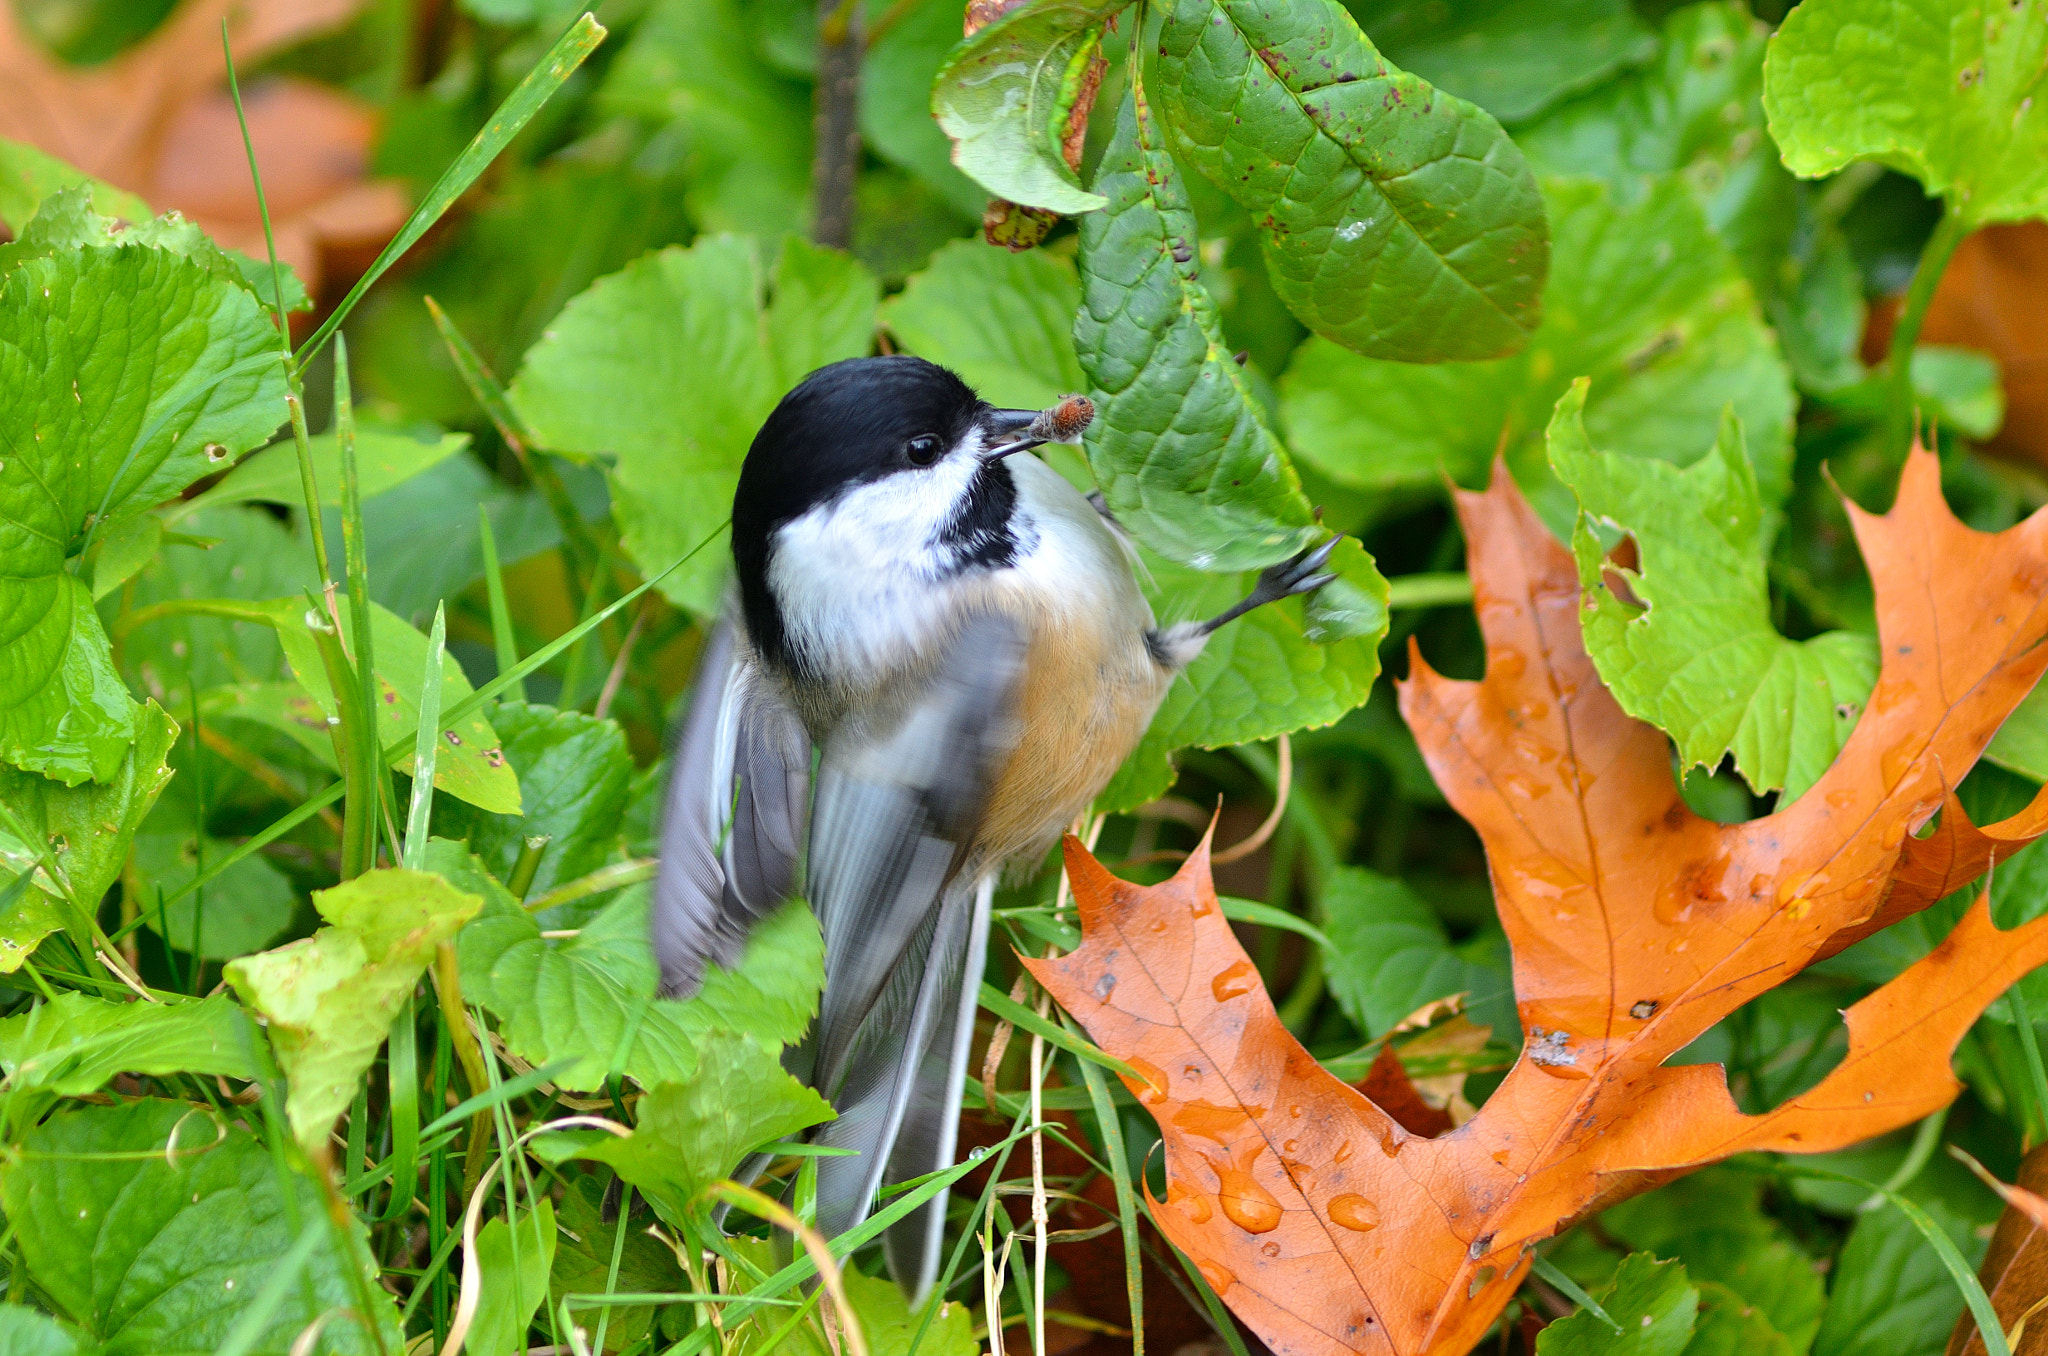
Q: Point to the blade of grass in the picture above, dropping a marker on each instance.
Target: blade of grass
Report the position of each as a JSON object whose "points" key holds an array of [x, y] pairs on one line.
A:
{"points": [[1111, 1129], [1571, 1290], [502, 640], [295, 402], [426, 747], [355, 746], [999, 1003], [396, 749], [356, 562], [506, 123], [492, 1097], [2037, 1076]]}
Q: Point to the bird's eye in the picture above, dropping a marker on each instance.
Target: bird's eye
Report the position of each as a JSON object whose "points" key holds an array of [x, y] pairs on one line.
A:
{"points": [[923, 450]]}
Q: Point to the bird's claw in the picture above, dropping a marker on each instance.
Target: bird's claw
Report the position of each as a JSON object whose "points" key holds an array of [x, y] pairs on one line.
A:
{"points": [[1302, 573]]}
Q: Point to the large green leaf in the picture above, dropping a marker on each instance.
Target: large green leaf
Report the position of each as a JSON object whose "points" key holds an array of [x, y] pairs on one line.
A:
{"points": [[692, 68], [1890, 1294], [1943, 90], [574, 772], [1258, 677], [330, 998], [272, 475], [28, 176], [591, 997], [670, 365], [157, 1253], [1004, 95], [690, 1134], [1400, 221], [1696, 111], [1642, 299], [1684, 638], [1002, 321], [514, 1270], [1652, 1302], [1180, 446], [583, 1261], [1729, 1325], [31, 1332], [87, 829], [71, 1046], [1391, 955], [896, 100], [125, 375], [1513, 58], [471, 764]]}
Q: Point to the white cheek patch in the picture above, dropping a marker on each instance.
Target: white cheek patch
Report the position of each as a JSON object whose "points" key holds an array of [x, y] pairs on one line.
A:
{"points": [[855, 577]]}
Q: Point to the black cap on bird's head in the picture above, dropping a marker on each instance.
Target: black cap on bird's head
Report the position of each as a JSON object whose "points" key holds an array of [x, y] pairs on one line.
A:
{"points": [[851, 424]]}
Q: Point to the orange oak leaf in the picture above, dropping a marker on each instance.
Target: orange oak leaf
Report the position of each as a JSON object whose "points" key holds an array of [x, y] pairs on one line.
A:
{"points": [[1635, 924], [157, 121], [2015, 1270]]}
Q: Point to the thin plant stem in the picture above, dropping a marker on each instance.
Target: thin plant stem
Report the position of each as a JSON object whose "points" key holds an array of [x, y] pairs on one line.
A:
{"points": [[1934, 257]]}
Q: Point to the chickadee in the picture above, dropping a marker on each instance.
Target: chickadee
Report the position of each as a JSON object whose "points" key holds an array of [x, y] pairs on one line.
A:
{"points": [[957, 637]]}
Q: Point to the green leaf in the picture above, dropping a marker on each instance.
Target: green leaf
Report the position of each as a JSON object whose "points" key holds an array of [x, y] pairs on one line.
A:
{"points": [[87, 828], [272, 475], [2021, 744], [583, 1258], [1890, 1294], [1642, 299], [670, 366], [246, 906], [691, 1134], [331, 998], [125, 375], [1002, 321], [1418, 234], [592, 997], [1730, 1325], [471, 765], [895, 100], [1652, 1301], [1258, 677], [1513, 58], [692, 69], [1390, 955], [123, 550], [574, 772], [1180, 446], [29, 176], [30, 1332], [890, 1325], [1684, 640], [156, 1254], [513, 1288], [1003, 96], [1943, 90], [72, 1046]]}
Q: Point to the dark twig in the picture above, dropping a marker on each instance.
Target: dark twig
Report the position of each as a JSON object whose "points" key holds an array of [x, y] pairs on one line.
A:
{"points": [[837, 161]]}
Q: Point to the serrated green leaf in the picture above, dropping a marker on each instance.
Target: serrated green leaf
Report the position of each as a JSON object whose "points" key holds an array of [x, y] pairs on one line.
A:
{"points": [[1943, 90], [87, 828], [1179, 446], [896, 100], [1258, 677], [592, 997], [1513, 58], [513, 1288], [331, 998], [574, 771], [1642, 299], [691, 1134], [669, 366], [30, 1332], [1399, 221], [159, 1255], [471, 765], [1729, 1325], [1390, 955], [1691, 649], [1004, 93], [1890, 1294], [29, 176], [72, 1046], [272, 475], [1003, 321], [120, 368], [1652, 1301]]}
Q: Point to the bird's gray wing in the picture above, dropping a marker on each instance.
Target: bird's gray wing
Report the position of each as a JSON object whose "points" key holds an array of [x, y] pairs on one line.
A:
{"points": [[894, 815], [732, 827]]}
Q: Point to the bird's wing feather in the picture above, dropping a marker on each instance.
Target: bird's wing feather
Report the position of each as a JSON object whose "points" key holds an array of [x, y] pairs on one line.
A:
{"points": [[733, 826]]}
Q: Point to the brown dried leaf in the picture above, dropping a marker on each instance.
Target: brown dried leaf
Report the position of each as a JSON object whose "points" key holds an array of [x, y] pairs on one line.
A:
{"points": [[2015, 1270], [1636, 925], [157, 120]]}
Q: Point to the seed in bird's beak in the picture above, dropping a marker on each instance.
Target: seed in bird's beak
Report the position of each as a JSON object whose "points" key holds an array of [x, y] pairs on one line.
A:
{"points": [[1064, 422]]}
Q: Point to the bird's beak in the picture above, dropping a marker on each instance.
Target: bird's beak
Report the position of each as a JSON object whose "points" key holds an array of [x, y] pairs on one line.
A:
{"points": [[1008, 432]]}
